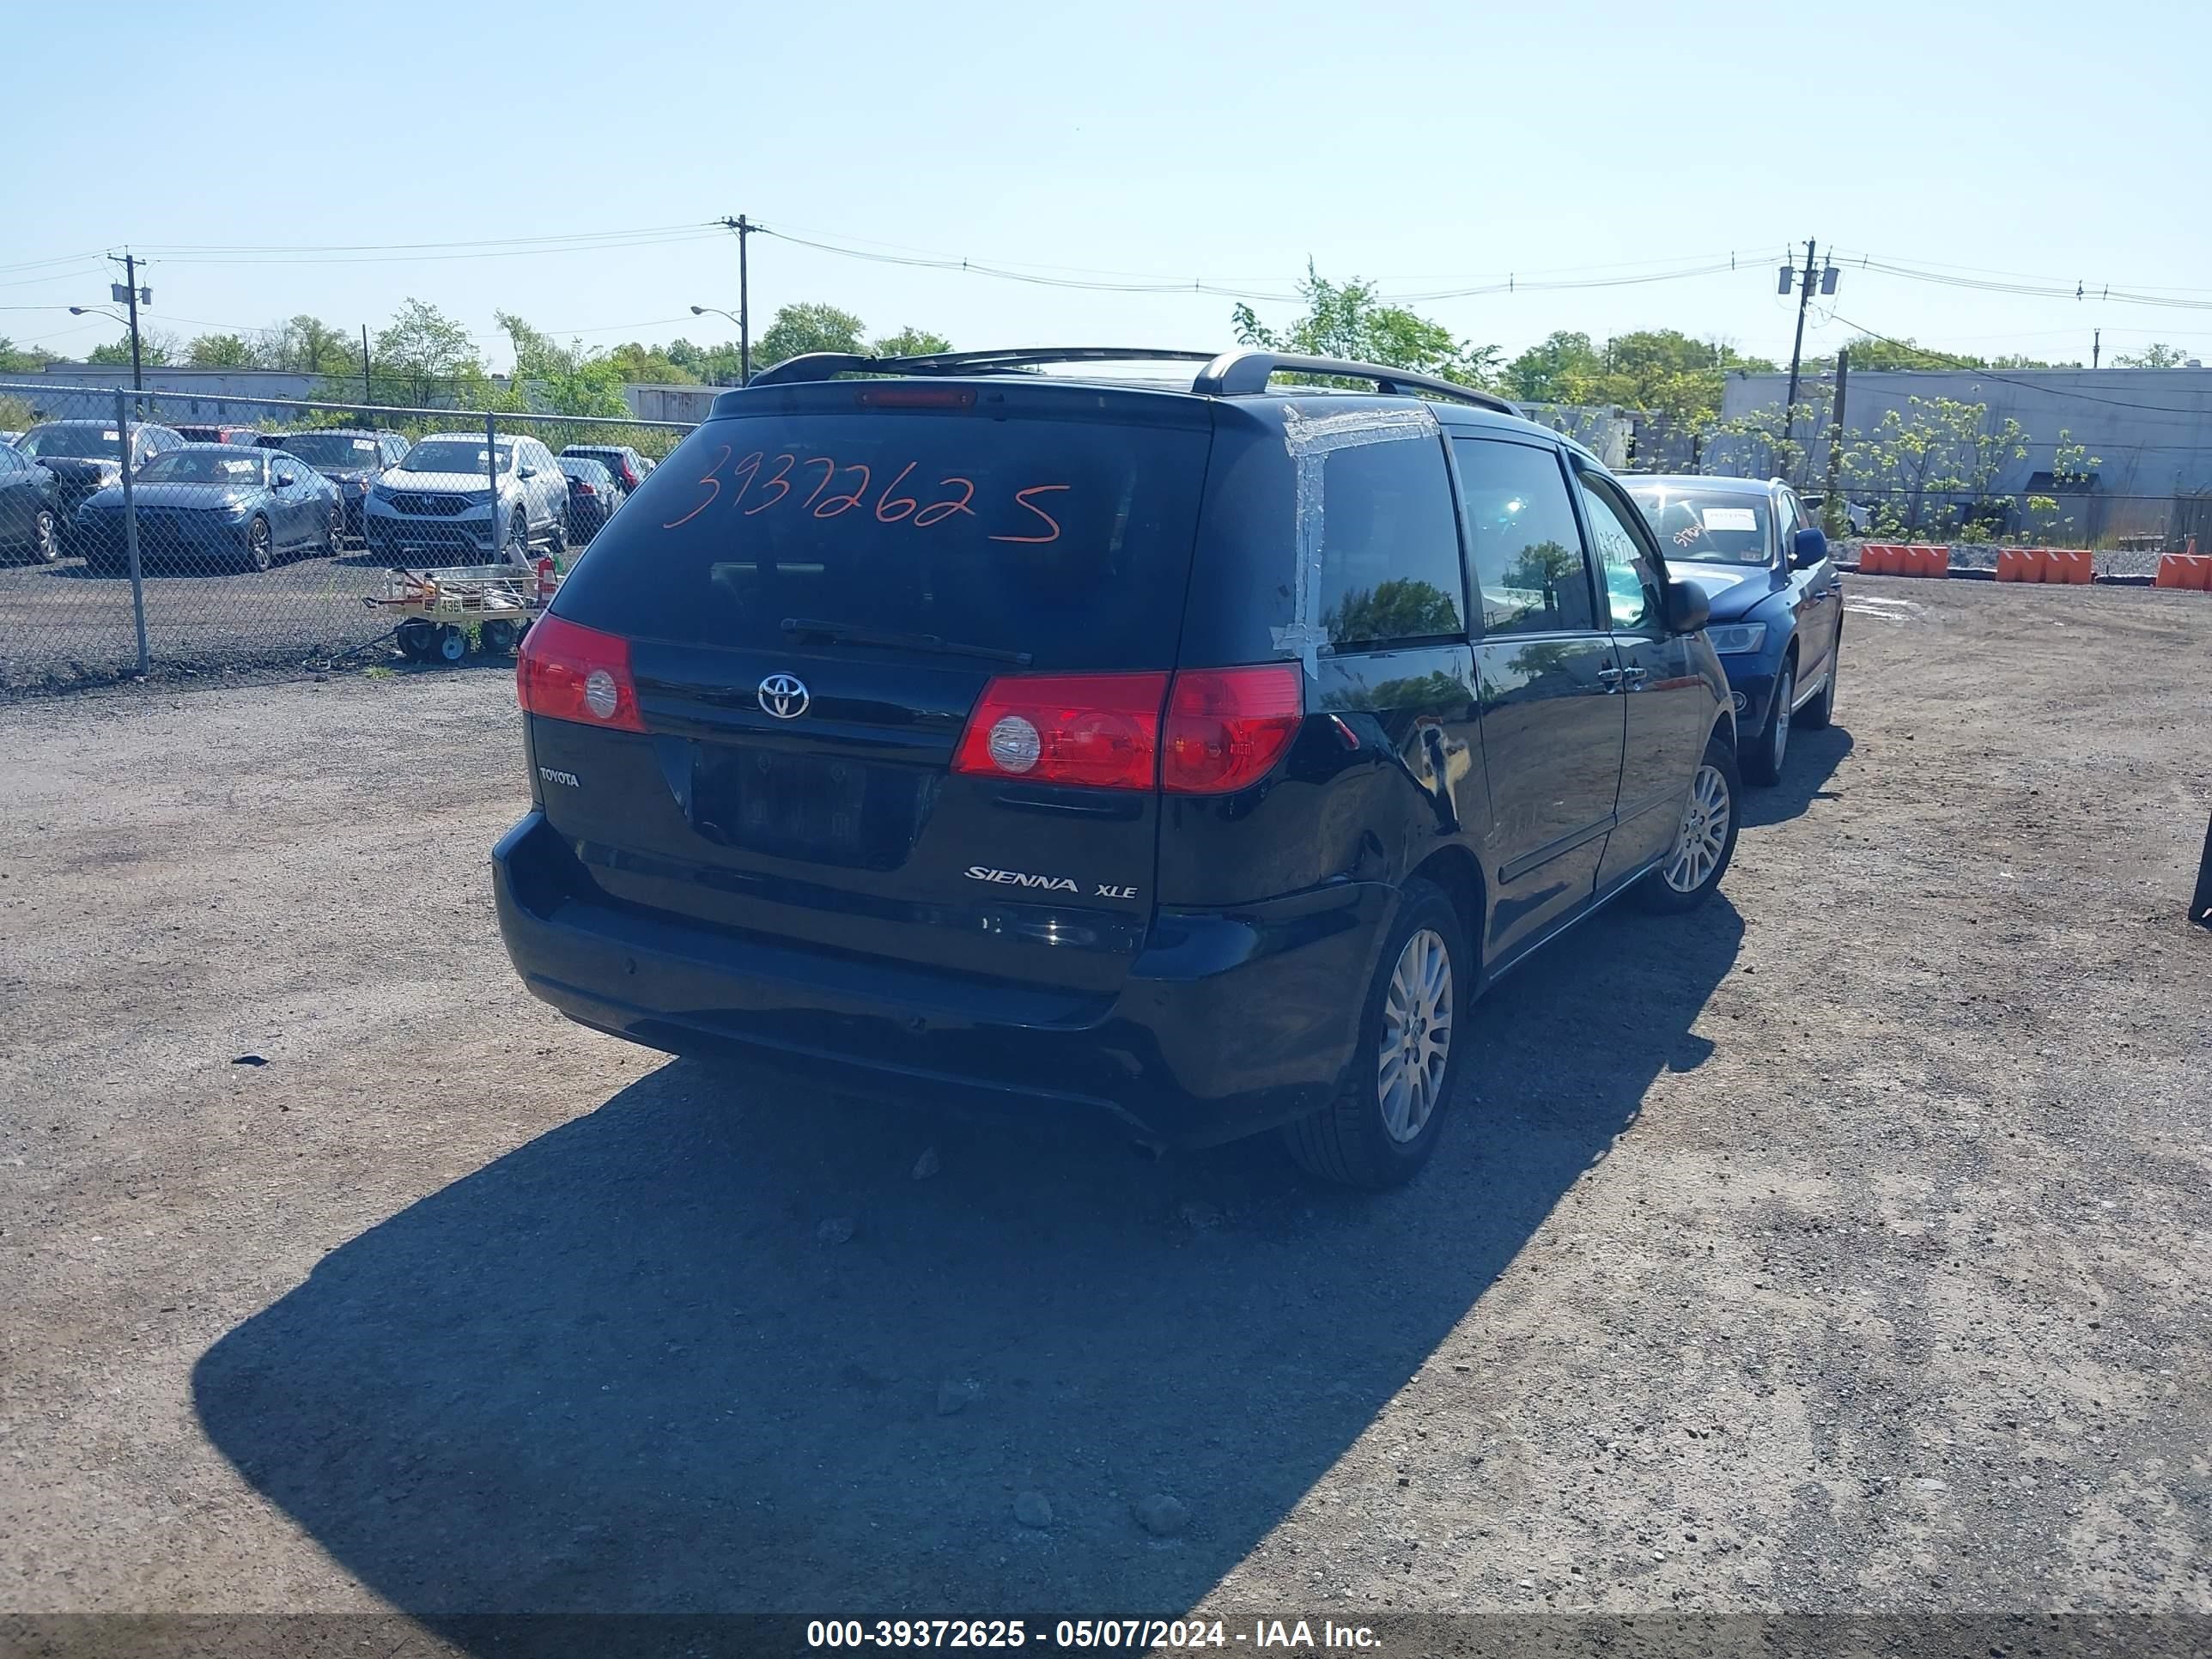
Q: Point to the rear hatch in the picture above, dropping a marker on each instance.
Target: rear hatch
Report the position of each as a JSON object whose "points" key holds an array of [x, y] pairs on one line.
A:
{"points": [[812, 596]]}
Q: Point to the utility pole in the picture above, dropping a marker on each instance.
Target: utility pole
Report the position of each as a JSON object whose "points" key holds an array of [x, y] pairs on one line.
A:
{"points": [[1838, 520], [744, 228], [367, 397], [1797, 351], [128, 292], [2096, 346]]}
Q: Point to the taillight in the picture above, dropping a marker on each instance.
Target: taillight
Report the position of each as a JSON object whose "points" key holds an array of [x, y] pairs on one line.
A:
{"points": [[583, 488], [565, 672], [1098, 730], [1226, 728]]}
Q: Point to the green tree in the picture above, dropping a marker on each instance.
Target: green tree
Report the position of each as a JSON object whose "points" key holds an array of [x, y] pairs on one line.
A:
{"points": [[1348, 320], [22, 360], [911, 342], [424, 359], [156, 348], [558, 379], [308, 345], [1869, 353], [1558, 369], [220, 351], [714, 365], [650, 365], [1935, 447], [2157, 355], [798, 329]]}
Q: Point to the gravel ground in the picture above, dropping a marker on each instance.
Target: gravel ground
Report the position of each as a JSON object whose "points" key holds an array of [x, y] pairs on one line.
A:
{"points": [[1841, 1247]]}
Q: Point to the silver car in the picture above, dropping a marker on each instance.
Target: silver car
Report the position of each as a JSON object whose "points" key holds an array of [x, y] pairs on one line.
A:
{"points": [[442, 500]]}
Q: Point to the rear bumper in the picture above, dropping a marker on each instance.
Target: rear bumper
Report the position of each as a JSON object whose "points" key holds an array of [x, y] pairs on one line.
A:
{"points": [[1228, 1024]]}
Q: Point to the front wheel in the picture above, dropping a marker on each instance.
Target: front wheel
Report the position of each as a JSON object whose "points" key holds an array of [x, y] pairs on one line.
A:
{"points": [[46, 538], [1383, 1127], [1704, 840], [333, 531], [260, 547], [517, 550]]}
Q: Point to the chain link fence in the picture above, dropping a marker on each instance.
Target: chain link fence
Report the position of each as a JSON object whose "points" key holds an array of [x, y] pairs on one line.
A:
{"points": [[157, 533]]}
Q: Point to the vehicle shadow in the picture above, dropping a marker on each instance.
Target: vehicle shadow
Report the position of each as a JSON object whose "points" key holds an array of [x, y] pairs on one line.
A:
{"points": [[1807, 771], [639, 1365]]}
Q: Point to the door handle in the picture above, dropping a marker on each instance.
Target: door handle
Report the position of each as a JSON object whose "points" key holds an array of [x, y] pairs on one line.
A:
{"points": [[1609, 678], [1633, 677]]}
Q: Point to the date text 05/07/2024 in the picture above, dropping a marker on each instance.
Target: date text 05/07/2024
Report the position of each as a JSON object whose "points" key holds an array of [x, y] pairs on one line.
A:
{"points": [[1106, 1635]]}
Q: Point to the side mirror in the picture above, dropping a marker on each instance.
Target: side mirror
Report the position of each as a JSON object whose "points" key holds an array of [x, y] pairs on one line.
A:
{"points": [[526, 471], [286, 480], [1686, 607], [1808, 548]]}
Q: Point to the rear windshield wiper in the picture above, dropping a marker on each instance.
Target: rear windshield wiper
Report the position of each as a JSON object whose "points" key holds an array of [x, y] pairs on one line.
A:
{"points": [[855, 634]]}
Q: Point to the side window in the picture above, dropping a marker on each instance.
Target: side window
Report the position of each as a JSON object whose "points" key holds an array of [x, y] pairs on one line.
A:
{"points": [[1631, 579], [1530, 577], [1389, 550], [1789, 521]]}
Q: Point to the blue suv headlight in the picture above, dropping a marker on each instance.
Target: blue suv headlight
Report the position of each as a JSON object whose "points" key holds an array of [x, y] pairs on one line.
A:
{"points": [[1736, 638]]}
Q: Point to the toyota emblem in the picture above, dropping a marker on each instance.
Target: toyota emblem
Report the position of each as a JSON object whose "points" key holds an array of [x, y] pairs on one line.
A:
{"points": [[784, 695]]}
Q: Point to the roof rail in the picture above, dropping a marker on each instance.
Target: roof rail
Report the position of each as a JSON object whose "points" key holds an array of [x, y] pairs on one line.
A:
{"points": [[1228, 374], [825, 364], [1242, 374]]}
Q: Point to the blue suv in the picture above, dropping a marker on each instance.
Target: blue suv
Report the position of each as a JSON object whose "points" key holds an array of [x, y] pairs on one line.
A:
{"points": [[1776, 598], [1186, 751]]}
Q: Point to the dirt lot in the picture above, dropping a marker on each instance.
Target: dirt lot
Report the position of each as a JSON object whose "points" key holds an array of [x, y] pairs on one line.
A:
{"points": [[1843, 1247]]}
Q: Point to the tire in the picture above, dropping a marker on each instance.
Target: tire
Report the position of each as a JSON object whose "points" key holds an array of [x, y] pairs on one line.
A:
{"points": [[1664, 889], [556, 536], [497, 638], [45, 544], [418, 640], [260, 546], [1816, 715], [517, 550], [1375, 1135], [333, 532], [1770, 749], [452, 643]]}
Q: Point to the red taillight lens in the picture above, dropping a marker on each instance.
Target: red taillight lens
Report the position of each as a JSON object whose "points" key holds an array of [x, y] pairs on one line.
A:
{"points": [[915, 396], [568, 672], [1098, 730], [583, 488], [1226, 728]]}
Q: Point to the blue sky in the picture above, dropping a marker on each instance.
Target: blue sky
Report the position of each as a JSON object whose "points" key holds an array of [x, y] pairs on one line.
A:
{"points": [[1428, 146]]}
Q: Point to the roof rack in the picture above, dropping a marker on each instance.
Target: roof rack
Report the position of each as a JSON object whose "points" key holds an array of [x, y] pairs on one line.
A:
{"points": [[823, 365], [1241, 374], [1228, 374]]}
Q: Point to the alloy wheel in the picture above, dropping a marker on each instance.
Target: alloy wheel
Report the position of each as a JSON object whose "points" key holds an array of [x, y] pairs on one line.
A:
{"points": [[1417, 1028], [1703, 833]]}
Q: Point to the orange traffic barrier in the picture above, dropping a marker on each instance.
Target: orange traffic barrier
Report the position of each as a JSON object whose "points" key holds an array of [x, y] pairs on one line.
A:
{"points": [[2185, 570], [1933, 561], [2016, 564], [2072, 565], [1874, 559]]}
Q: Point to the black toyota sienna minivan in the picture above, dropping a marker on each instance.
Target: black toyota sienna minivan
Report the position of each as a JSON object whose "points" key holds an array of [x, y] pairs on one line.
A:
{"points": [[1190, 752]]}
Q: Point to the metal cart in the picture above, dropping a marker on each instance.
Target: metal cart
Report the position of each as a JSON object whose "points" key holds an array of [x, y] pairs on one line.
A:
{"points": [[438, 607]]}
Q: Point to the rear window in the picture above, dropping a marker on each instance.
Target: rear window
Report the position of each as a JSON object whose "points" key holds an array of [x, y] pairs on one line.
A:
{"points": [[1069, 540]]}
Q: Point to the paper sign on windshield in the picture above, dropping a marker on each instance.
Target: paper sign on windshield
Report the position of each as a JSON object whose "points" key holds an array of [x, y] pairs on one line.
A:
{"points": [[1731, 518]]}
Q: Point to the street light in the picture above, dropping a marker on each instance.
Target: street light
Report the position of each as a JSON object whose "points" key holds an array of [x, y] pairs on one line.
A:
{"points": [[745, 337]]}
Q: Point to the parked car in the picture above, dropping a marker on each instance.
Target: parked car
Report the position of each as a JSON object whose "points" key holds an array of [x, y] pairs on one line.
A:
{"points": [[593, 495], [222, 435], [1777, 600], [629, 466], [228, 504], [9, 437], [30, 511], [353, 458], [86, 456], [441, 501], [271, 440], [1186, 754]]}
